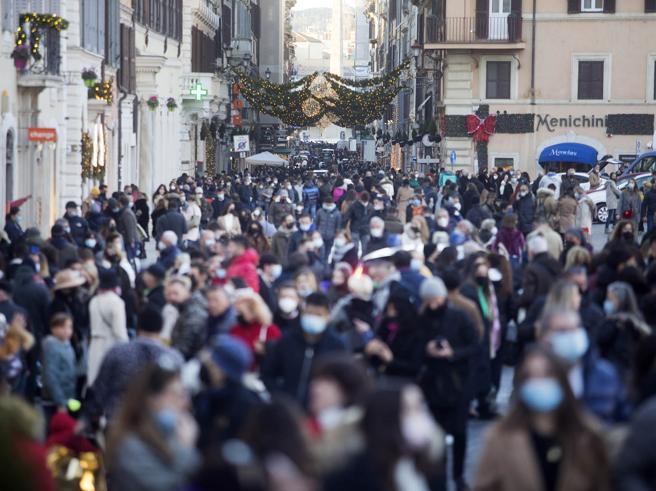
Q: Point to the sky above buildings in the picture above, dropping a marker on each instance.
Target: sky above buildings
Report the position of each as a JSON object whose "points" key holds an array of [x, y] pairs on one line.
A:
{"points": [[306, 4]]}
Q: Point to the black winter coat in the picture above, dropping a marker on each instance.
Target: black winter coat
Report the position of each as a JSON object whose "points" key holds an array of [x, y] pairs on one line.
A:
{"points": [[525, 209], [172, 220], [290, 360], [539, 275], [443, 381]]}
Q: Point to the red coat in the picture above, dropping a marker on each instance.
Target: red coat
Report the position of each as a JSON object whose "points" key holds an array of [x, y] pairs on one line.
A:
{"points": [[250, 334], [245, 267]]}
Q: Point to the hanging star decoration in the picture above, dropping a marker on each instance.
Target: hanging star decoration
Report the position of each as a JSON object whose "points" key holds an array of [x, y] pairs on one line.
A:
{"points": [[480, 129], [321, 99]]}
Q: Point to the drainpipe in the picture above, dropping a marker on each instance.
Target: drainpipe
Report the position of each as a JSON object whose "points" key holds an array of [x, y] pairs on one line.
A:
{"points": [[533, 55], [124, 95]]}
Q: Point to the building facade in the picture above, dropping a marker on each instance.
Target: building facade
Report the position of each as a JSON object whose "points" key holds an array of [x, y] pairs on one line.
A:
{"points": [[579, 71], [119, 92]]}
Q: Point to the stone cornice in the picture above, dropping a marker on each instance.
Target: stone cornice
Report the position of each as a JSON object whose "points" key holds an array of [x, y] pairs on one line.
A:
{"points": [[149, 63]]}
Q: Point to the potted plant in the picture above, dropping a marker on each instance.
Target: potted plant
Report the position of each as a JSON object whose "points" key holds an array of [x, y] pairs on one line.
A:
{"points": [[153, 102], [171, 104], [21, 56], [89, 76]]}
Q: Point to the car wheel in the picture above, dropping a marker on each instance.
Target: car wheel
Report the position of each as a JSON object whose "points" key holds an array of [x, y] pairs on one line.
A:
{"points": [[602, 213]]}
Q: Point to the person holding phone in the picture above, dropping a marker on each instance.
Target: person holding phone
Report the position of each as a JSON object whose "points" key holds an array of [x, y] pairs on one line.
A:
{"points": [[450, 339]]}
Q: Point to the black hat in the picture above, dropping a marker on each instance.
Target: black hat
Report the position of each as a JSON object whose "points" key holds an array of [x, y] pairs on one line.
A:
{"points": [[157, 271], [150, 320], [267, 259], [57, 231], [71, 204], [108, 279]]}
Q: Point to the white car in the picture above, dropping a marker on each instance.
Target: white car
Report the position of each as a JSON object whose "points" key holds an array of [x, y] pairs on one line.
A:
{"points": [[599, 195]]}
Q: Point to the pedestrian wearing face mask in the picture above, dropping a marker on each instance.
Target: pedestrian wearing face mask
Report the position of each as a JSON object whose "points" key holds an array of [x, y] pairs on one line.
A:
{"points": [[281, 239], [584, 211], [629, 205], [450, 340], [220, 203], [546, 441], [524, 206], [594, 381], [289, 362], [329, 221], [280, 207]]}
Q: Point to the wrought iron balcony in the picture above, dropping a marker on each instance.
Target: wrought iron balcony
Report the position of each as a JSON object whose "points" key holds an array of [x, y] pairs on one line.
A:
{"points": [[473, 30], [44, 70]]}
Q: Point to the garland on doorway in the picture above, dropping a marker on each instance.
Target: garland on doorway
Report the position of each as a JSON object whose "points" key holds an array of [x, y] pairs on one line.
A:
{"points": [[103, 91], [37, 22], [210, 153]]}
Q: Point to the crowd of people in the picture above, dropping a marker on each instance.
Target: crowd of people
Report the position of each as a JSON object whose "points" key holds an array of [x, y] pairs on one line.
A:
{"points": [[336, 331]]}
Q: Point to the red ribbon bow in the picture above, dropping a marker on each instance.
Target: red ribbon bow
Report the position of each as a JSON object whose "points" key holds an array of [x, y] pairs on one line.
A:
{"points": [[481, 129]]}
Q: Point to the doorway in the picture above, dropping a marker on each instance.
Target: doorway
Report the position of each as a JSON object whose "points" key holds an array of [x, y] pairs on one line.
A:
{"points": [[499, 12]]}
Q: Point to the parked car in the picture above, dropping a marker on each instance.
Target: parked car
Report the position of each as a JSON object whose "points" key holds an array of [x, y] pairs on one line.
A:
{"points": [[645, 162], [599, 195]]}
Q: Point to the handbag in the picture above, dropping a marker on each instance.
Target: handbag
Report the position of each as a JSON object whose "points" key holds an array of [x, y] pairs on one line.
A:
{"points": [[628, 214]]}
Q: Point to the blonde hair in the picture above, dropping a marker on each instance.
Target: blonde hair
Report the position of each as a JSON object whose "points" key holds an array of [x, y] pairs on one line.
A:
{"points": [[577, 256]]}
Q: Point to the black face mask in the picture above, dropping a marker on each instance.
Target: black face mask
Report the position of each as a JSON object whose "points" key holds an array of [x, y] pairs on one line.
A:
{"points": [[241, 319], [569, 244], [482, 280], [628, 236]]}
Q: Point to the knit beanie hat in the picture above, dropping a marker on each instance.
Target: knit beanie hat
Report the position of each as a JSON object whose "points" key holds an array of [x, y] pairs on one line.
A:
{"points": [[431, 288]]}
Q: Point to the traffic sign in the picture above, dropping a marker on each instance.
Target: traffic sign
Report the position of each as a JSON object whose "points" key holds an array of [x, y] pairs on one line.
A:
{"points": [[452, 157]]}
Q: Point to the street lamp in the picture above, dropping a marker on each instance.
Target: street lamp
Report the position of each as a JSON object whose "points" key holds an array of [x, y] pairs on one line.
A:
{"points": [[267, 73]]}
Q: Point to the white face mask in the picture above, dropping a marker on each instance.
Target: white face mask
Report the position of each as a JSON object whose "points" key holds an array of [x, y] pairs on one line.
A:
{"points": [[457, 206], [340, 242], [287, 305], [376, 232], [161, 245], [318, 243], [443, 222], [276, 270]]}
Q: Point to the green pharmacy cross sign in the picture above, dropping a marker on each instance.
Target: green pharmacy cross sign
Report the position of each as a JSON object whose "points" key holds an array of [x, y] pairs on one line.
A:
{"points": [[198, 91]]}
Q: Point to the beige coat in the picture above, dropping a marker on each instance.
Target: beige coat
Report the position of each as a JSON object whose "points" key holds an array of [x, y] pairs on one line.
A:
{"points": [[566, 213], [108, 327], [403, 197], [508, 463]]}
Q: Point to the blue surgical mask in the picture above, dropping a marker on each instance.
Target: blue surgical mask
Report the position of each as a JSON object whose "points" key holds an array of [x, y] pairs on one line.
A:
{"points": [[570, 345], [541, 395], [90, 243], [313, 324], [609, 307], [166, 420]]}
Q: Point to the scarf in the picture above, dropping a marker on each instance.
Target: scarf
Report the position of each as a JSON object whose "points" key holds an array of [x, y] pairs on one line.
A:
{"points": [[491, 312]]}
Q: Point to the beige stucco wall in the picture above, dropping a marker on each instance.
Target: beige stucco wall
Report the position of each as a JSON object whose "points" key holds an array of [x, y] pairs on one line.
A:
{"points": [[625, 39]]}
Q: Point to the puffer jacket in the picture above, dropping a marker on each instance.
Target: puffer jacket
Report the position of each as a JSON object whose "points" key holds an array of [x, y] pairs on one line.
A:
{"points": [[328, 223], [190, 330], [245, 267]]}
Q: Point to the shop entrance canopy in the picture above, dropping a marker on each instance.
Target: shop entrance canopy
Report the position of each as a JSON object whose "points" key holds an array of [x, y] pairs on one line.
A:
{"points": [[266, 158], [575, 153]]}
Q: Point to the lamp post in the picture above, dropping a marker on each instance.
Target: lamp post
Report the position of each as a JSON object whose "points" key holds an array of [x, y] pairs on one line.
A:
{"points": [[267, 73]]}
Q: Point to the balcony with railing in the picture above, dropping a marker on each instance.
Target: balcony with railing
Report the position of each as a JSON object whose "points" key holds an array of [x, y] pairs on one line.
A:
{"points": [[482, 31], [44, 70]]}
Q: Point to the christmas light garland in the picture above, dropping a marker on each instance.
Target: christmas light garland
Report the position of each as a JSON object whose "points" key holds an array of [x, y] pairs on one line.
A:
{"points": [[321, 99], [37, 21], [103, 91]]}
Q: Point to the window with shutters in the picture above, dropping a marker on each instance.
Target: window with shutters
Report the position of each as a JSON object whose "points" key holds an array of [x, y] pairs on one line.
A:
{"points": [[226, 25], [93, 29], [127, 73], [591, 80], [203, 52], [113, 37], [592, 5], [650, 6], [9, 15], [163, 16], [497, 79]]}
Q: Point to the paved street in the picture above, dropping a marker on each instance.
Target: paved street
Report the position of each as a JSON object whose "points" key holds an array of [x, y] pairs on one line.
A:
{"points": [[477, 428]]}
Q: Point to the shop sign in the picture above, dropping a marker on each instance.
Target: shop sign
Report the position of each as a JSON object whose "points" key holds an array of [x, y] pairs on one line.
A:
{"points": [[551, 123], [42, 134]]}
